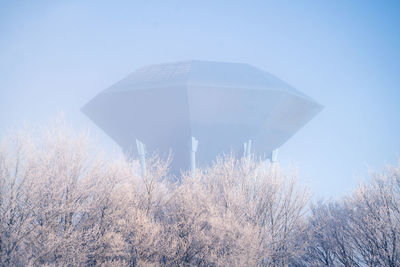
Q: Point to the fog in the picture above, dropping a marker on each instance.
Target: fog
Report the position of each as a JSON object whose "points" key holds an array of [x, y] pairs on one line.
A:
{"points": [[58, 56]]}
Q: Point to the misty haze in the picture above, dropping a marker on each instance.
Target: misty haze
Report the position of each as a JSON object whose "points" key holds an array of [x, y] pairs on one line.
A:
{"points": [[172, 133]]}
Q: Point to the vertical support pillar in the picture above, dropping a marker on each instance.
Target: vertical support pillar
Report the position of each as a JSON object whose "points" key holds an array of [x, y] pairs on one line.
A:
{"points": [[247, 150], [195, 144], [141, 148], [274, 155]]}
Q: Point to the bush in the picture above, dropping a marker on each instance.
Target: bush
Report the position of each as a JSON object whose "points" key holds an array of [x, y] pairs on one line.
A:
{"points": [[362, 229], [62, 204]]}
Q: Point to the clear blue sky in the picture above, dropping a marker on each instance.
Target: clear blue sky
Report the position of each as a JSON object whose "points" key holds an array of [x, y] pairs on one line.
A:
{"points": [[56, 55]]}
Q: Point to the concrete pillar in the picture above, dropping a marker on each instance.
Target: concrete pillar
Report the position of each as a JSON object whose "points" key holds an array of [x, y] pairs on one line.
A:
{"points": [[141, 148], [193, 151]]}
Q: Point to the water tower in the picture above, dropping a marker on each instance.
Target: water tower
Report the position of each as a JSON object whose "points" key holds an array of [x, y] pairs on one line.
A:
{"points": [[200, 109]]}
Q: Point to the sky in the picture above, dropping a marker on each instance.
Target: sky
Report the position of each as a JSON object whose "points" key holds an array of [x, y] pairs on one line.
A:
{"points": [[57, 55]]}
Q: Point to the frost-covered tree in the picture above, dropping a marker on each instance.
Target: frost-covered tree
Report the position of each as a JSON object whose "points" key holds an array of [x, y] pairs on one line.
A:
{"points": [[374, 215], [361, 229], [62, 203]]}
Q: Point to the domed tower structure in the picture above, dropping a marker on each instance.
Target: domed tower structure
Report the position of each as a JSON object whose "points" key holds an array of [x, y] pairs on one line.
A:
{"points": [[200, 109]]}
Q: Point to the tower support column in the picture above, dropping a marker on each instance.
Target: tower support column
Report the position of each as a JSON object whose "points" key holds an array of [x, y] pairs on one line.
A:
{"points": [[141, 148], [247, 150], [194, 145]]}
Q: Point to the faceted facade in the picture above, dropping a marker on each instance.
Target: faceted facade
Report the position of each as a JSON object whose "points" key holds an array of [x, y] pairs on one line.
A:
{"points": [[222, 105]]}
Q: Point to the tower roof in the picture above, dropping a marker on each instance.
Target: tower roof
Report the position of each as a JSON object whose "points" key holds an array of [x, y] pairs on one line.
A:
{"points": [[205, 73]]}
